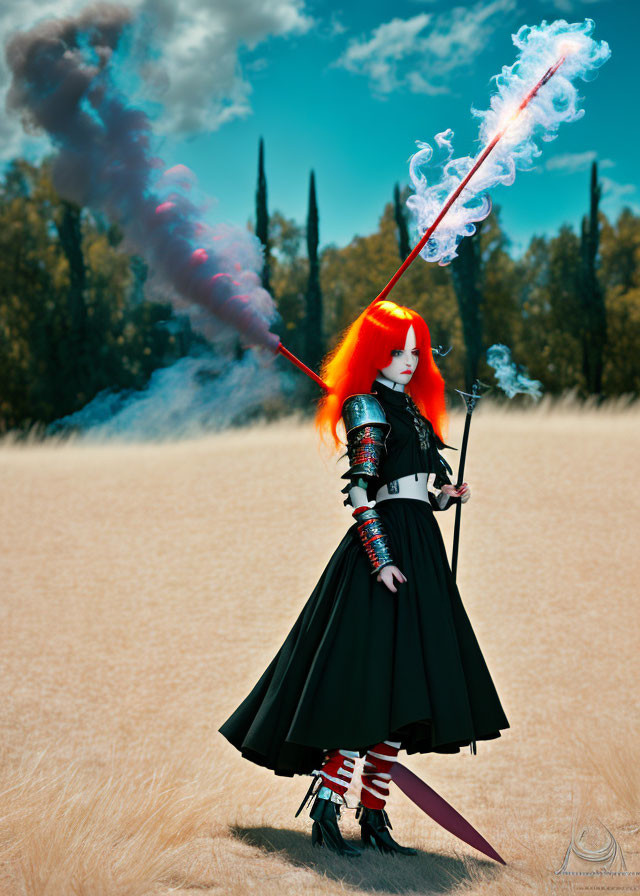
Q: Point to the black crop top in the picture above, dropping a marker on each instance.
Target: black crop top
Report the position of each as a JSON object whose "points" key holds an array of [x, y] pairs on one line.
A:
{"points": [[411, 445]]}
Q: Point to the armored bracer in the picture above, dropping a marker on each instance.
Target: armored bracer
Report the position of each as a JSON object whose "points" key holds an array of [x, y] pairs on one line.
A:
{"points": [[373, 537], [366, 427]]}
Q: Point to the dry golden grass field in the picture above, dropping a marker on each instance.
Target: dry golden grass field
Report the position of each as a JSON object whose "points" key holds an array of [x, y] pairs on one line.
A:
{"points": [[145, 588]]}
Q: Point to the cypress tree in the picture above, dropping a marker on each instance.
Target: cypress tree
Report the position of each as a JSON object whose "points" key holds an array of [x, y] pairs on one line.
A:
{"points": [[466, 273], [262, 217], [77, 367], [593, 327], [313, 313], [404, 249]]}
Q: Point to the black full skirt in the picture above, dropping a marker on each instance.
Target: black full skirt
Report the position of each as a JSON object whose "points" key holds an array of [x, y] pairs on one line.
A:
{"points": [[362, 664]]}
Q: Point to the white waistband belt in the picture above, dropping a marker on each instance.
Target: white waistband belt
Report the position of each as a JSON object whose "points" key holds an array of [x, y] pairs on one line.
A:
{"points": [[409, 487]]}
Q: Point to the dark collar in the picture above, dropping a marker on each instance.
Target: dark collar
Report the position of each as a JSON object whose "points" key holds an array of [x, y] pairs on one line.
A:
{"points": [[401, 400], [386, 393]]}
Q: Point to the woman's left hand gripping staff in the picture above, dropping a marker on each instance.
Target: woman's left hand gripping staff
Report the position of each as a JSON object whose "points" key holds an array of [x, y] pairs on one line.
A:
{"points": [[464, 492], [388, 574]]}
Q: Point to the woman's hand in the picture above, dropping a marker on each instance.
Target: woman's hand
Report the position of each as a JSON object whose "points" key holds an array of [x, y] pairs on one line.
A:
{"points": [[387, 574], [464, 492]]}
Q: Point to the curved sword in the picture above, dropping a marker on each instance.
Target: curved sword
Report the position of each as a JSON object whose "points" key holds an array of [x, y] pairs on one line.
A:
{"points": [[440, 810]]}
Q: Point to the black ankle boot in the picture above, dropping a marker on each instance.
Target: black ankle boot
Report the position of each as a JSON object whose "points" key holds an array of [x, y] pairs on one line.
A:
{"points": [[325, 813], [374, 824]]}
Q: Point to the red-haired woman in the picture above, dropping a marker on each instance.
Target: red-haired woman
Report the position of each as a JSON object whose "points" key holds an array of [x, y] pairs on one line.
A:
{"points": [[383, 656]]}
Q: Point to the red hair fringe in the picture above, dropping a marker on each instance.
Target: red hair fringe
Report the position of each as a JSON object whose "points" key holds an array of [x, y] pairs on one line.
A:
{"points": [[364, 348]]}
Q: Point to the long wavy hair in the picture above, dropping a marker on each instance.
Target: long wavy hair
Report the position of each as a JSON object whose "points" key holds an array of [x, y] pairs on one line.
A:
{"points": [[364, 348]]}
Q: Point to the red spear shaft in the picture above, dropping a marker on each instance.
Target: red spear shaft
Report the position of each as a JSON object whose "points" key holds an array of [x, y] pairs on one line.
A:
{"points": [[443, 211], [463, 183], [314, 376]]}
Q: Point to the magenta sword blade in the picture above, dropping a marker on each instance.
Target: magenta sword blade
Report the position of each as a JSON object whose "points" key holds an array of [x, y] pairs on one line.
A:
{"points": [[439, 809]]}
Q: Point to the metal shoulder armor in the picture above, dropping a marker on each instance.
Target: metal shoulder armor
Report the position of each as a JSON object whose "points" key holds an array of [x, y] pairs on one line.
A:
{"points": [[367, 428], [362, 410]]}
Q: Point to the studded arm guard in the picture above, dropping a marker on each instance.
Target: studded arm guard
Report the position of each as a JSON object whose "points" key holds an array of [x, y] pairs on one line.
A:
{"points": [[373, 537], [367, 428]]}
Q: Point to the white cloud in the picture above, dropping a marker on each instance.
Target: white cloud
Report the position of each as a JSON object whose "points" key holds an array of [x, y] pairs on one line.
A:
{"points": [[18, 14], [569, 6], [613, 192], [201, 40], [577, 161], [336, 27], [197, 74], [389, 43], [417, 83], [417, 53]]}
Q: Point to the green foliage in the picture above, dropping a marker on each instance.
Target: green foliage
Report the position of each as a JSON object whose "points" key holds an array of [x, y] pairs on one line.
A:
{"points": [[621, 373], [78, 314], [290, 272], [620, 251], [549, 345], [72, 317]]}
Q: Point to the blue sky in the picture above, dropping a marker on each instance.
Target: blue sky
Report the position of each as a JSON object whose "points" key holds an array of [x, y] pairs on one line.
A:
{"points": [[347, 91], [357, 134]]}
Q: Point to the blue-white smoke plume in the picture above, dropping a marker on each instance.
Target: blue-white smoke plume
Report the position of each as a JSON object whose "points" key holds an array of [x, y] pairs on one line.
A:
{"points": [[194, 396], [510, 379], [556, 102]]}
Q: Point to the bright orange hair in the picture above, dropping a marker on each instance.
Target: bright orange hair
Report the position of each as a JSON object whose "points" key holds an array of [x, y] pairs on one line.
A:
{"points": [[364, 348]]}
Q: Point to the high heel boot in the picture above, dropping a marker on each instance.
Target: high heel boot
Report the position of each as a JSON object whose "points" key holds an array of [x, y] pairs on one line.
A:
{"points": [[374, 824], [325, 813]]}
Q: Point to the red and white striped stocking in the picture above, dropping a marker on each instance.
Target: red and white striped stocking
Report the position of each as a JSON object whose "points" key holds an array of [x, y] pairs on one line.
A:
{"points": [[376, 773], [337, 770]]}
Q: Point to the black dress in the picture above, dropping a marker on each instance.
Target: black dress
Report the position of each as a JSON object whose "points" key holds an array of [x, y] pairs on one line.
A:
{"points": [[362, 664]]}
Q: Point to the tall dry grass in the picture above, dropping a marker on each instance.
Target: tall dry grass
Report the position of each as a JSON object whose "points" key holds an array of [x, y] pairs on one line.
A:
{"points": [[145, 587]]}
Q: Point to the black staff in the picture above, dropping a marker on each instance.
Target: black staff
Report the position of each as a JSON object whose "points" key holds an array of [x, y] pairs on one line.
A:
{"points": [[470, 401]]}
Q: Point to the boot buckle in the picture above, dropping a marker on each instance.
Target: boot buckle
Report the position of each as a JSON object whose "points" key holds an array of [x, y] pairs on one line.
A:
{"points": [[309, 794]]}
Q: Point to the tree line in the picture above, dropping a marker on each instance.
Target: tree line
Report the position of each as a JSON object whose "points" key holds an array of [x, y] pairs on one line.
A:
{"points": [[78, 315], [569, 309]]}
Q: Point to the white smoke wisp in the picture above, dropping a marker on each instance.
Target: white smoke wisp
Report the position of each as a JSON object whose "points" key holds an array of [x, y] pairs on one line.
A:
{"points": [[511, 380], [194, 396], [556, 102], [64, 74]]}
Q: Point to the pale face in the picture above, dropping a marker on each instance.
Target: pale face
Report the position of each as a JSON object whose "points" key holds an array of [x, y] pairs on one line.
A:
{"points": [[403, 360]]}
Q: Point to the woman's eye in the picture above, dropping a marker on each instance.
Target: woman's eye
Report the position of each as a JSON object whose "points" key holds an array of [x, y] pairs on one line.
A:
{"points": [[395, 352], [416, 351]]}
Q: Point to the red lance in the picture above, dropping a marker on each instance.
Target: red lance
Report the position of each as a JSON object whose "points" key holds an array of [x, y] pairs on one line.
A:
{"points": [[411, 785], [486, 152]]}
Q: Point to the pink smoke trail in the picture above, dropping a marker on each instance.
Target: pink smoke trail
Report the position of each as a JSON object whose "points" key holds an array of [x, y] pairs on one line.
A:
{"points": [[62, 84]]}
